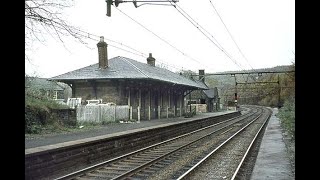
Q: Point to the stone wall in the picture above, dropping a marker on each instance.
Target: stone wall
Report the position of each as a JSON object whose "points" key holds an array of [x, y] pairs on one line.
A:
{"points": [[145, 96], [65, 116], [107, 91], [53, 161]]}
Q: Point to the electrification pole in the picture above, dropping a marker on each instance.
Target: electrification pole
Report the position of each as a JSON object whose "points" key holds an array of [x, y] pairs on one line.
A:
{"points": [[235, 91], [279, 91], [109, 3], [145, 2]]}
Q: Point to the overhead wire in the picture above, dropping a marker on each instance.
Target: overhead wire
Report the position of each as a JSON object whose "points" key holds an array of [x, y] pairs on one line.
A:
{"points": [[232, 37], [137, 52], [194, 23], [230, 34], [160, 37], [217, 44], [88, 36]]}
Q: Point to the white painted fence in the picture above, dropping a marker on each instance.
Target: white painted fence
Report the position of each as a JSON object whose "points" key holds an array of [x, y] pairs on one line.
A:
{"points": [[102, 112], [73, 102]]}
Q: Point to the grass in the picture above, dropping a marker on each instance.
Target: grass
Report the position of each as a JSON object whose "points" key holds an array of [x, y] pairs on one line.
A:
{"points": [[286, 115], [38, 117]]}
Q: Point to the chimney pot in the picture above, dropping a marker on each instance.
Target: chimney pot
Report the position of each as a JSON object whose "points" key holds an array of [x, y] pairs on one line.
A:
{"points": [[201, 75], [102, 53], [151, 60]]}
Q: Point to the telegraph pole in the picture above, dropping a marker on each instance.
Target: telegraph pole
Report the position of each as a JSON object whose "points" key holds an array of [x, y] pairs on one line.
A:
{"points": [[235, 91], [279, 91]]}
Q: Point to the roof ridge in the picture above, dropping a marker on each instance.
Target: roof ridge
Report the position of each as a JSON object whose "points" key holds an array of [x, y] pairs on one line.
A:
{"points": [[134, 66]]}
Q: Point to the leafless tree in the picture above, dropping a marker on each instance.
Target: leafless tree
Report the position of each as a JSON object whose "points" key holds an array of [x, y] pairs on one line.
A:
{"points": [[44, 17]]}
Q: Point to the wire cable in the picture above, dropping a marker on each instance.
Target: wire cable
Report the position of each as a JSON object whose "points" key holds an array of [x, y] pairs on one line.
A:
{"points": [[194, 23], [232, 39], [159, 36], [230, 34], [90, 36], [137, 52]]}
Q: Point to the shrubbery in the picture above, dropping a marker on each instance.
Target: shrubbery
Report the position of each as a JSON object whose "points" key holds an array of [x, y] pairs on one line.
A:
{"points": [[38, 115], [287, 116]]}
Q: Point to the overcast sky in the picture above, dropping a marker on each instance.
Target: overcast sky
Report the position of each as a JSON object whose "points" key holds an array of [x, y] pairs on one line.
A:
{"points": [[264, 30]]}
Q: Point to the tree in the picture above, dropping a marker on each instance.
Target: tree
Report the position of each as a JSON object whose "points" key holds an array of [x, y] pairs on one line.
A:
{"points": [[45, 16], [187, 73]]}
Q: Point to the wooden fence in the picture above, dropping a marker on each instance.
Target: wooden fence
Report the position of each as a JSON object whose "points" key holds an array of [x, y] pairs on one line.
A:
{"points": [[112, 113], [102, 113]]}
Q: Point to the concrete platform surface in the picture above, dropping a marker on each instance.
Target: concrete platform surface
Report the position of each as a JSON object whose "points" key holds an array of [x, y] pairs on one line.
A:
{"points": [[109, 129], [272, 162]]}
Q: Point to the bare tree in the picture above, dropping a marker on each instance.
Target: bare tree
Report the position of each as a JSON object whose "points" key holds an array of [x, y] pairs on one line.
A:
{"points": [[45, 17]]}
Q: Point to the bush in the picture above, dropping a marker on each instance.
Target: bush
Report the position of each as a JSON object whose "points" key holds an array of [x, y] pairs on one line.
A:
{"points": [[38, 113], [287, 117]]}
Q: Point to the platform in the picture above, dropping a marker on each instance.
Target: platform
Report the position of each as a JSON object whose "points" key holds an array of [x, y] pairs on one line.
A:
{"points": [[272, 161], [109, 129]]}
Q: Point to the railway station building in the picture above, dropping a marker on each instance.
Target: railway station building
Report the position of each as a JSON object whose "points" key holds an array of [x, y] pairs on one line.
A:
{"points": [[208, 97], [151, 92]]}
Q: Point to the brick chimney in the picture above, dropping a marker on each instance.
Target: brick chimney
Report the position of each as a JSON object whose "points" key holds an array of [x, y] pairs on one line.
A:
{"points": [[201, 75], [151, 60], [103, 53]]}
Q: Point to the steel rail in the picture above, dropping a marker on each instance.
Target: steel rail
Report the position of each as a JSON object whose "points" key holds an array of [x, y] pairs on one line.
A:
{"points": [[249, 148], [173, 151], [91, 168], [213, 151]]}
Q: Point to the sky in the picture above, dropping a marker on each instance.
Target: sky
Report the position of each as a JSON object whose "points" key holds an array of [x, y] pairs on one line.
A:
{"points": [[262, 36]]}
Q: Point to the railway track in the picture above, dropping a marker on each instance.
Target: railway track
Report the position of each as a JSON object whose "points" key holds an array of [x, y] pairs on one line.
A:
{"points": [[233, 160], [175, 158]]}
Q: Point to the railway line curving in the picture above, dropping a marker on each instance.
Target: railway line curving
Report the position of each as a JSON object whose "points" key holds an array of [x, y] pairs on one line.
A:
{"points": [[226, 144]]}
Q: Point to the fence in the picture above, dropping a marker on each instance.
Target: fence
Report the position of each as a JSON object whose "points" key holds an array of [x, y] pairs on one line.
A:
{"points": [[102, 113], [198, 108], [73, 102]]}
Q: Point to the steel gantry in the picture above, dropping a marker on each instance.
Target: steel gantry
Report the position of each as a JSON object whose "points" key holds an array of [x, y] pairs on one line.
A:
{"points": [[259, 73]]}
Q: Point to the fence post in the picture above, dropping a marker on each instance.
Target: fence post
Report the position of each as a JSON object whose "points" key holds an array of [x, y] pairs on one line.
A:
{"points": [[115, 107], [99, 114], [159, 112], [167, 112], [138, 114], [174, 111], [149, 114], [130, 113], [78, 111], [180, 109]]}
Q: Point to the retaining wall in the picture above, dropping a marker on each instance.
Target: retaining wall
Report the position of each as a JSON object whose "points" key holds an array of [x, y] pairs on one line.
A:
{"points": [[66, 157]]}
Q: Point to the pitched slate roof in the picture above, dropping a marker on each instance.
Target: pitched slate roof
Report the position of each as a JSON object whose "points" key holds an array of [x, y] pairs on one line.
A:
{"points": [[125, 68], [209, 93]]}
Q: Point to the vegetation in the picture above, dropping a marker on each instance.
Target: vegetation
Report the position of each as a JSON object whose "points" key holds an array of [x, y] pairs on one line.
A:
{"points": [[41, 119], [38, 107], [38, 115], [287, 117], [266, 94], [38, 110], [45, 17], [279, 93]]}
